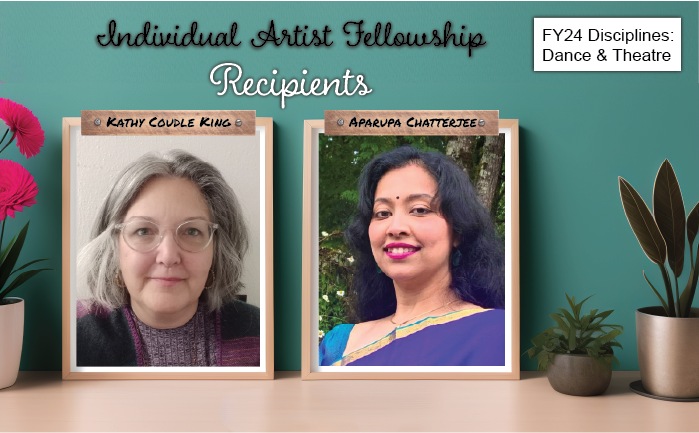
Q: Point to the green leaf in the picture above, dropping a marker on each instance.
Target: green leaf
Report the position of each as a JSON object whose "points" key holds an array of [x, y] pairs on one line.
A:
{"points": [[7, 250], [604, 314], [693, 224], [21, 279], [585, 322], [687, 291], [12, 256], [668, 211], [621, 328], [642, 223], [687, 296], [533, 352], [662, 301], [571, 320], [594, 327], [668, 291], [561, 324], [28, 264], [579, 307], [540, 339], [543, 361], [585, 342], [571, 302], [611, 335], [563, 344]]}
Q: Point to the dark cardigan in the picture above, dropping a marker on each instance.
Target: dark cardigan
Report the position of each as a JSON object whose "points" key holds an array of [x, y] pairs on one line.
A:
{"points": [[108, 338]]}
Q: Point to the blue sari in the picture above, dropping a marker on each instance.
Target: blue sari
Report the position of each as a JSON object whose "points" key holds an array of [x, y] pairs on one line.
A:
{"points": [[474, 337]]}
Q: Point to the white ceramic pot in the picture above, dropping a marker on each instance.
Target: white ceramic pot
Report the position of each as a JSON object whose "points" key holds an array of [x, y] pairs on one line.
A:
{"points": [[11, 333]]}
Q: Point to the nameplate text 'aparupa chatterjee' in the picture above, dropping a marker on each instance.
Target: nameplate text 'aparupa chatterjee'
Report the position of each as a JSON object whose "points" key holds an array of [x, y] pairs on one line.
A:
{"points": [[408, 122]]}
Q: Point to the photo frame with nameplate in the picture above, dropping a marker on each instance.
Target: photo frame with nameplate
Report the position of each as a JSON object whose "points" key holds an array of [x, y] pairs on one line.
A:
{"points": [[336, 150], [97, 148]]}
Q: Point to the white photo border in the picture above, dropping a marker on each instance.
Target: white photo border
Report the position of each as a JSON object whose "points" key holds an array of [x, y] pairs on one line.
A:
{"points": [[71, 129], [310, 366]]}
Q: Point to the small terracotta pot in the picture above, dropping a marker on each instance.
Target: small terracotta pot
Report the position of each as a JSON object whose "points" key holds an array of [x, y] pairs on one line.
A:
{"points": [[578, 375], [668, 352], [11, 333]]}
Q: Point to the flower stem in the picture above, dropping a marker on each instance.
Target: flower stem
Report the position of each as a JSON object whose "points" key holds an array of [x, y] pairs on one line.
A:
{"points": [[2, 233], [3, 137], [8, 143]]}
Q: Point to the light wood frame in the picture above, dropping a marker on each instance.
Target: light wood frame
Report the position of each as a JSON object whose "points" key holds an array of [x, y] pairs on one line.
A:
{"points": [[267, 363], [312, 128]]}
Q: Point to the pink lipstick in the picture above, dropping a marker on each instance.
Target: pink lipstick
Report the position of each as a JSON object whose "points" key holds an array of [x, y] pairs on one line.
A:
{"points": [[399, 250]]}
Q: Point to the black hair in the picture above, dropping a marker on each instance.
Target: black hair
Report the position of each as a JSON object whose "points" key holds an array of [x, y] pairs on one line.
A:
{"points": [[480, 276]]}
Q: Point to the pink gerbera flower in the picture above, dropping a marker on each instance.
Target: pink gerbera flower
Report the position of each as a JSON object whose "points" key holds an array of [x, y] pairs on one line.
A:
{"points": [[17, 188], [24, 126]]}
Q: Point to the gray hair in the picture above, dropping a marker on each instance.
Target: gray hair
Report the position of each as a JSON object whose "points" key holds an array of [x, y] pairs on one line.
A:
{"points": [[98, 261]]}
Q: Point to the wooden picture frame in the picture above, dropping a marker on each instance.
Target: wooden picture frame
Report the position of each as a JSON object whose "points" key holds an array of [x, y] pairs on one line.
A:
{"points": [[311, 235], [95, 146]]}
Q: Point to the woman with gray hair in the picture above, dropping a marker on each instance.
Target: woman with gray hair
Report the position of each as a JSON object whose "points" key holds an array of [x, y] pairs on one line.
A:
{"points": [[158, 279]]}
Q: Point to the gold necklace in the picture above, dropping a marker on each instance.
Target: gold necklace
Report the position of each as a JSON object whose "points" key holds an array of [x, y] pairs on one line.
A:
{"points": [[421, 314]]}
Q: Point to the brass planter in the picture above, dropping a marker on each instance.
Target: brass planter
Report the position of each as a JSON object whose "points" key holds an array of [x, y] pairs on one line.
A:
{"points": [[578, 375], [668, 352]]}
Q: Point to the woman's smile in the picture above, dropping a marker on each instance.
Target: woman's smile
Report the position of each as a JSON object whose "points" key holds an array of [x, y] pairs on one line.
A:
{"points": [[400, 251]]}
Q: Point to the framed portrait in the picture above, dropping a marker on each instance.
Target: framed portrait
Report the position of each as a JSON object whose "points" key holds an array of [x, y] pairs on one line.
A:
{"points": [[167, 245], [411, 246]]}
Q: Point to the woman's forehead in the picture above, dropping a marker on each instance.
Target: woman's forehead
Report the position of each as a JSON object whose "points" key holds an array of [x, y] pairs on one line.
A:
{"points": [[409, 180], [169, 198]]}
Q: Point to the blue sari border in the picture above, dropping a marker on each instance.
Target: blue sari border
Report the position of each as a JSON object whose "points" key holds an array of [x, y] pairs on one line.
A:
{"points": [[406, 331]]}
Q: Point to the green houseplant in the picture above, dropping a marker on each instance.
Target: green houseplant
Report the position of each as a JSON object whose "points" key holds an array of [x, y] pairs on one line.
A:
{"points": [[662, 235], [668, 363], [578, 352]]}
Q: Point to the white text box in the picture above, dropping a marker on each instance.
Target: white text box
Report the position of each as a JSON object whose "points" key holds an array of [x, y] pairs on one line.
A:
{"points": [[607, 44]]}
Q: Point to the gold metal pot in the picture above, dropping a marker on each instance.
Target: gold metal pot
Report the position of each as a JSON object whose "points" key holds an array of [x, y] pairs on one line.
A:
{"points": [[668, 352]]}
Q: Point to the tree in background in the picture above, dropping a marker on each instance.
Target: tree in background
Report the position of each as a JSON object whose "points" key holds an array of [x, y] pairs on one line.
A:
{"points": [[483, 159], [341, 159]]}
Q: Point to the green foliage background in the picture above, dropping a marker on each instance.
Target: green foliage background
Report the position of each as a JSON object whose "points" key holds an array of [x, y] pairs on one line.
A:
{"points": [[341, 159]]}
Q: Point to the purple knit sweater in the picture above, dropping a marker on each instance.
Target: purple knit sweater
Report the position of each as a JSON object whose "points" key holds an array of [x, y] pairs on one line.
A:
{"points": [[192, 344]]}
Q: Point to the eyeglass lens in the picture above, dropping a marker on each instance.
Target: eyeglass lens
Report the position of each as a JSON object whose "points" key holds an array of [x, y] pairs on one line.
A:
{"points": [[144, 236]]}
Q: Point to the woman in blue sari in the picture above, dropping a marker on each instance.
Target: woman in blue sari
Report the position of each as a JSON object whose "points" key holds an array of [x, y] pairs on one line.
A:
{"points": [[429, 289]]}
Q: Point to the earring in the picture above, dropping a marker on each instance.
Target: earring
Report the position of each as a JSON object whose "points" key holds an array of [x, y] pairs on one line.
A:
{"points": [[212, 278], [378, 270], [456, 258], [119, 283]]}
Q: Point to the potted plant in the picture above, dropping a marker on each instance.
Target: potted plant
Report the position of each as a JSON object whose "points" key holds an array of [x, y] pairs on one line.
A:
{"points": [[667, 335], [578, 353], [17, 191]]}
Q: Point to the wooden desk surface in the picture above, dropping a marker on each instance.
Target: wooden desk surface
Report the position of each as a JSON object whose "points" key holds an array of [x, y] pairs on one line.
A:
{"points": [[41, 401]]}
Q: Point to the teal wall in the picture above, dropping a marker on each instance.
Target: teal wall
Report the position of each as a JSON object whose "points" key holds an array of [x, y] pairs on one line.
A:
{"points": [[578, 131]]}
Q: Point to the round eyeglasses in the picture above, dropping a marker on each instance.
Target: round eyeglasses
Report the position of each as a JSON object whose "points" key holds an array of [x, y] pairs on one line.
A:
{"points": [[144, 235]]}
